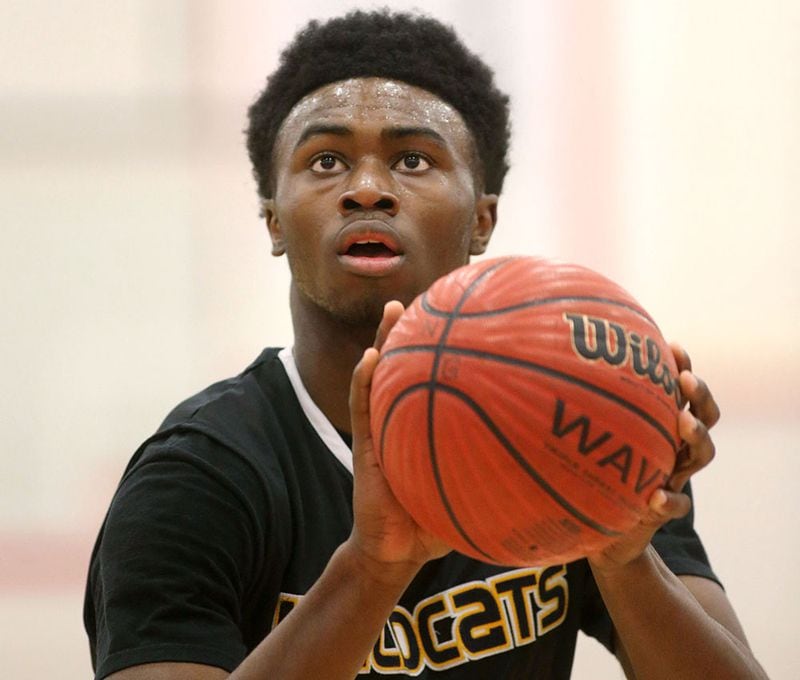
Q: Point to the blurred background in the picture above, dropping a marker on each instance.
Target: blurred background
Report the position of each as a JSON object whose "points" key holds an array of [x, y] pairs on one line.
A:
{"points": [[657, 142]]}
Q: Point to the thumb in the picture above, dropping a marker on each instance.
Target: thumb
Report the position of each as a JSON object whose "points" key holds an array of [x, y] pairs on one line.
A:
{"points": [[392, 311], [360, 385]]}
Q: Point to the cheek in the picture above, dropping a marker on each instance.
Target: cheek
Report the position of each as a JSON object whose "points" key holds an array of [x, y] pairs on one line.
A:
{"points": [[451, 196], [299, 217], [452, 211]]}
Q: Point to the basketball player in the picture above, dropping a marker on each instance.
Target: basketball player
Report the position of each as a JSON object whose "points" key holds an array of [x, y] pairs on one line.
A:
{"points": [[251, 537]]}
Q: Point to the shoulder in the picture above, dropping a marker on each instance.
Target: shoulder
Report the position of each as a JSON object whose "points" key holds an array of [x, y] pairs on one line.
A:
{"points": [[261, 389], [224, 441], [243, 416], [250, 437]]}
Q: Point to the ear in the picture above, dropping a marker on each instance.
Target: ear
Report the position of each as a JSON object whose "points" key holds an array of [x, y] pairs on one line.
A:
{"points": [[485, 219], [274, 227]]}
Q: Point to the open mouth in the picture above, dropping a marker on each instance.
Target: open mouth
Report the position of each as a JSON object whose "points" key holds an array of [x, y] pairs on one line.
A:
{"points": [[370, 249]]}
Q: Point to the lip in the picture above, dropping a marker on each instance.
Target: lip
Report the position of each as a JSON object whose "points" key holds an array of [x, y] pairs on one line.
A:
{"points": [[369, 230], [371, 266]]}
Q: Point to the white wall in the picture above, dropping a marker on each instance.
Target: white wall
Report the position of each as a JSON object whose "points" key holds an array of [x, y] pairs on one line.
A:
{"points": [[656, 142]]}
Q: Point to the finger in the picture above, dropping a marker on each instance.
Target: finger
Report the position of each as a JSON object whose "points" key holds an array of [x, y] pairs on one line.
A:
{"points": [[697, 452], [682, 358], [666, 505], [701, 401], [392, 311], [683, 363], [359, 399]]}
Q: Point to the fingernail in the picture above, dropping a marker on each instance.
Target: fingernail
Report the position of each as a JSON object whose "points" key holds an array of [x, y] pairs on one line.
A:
{"points": [[684, 416], [659, 499]]}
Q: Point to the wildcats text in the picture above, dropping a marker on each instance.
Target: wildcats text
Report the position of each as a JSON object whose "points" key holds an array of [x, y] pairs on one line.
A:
{"points": [[469, 621]]}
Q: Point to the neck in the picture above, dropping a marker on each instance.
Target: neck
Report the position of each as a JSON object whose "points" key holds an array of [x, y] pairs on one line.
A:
{"points": [[326, 351]]}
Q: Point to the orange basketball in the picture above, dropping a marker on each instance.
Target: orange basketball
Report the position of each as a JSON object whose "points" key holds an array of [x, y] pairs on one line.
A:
{"points": [[525, 410]]}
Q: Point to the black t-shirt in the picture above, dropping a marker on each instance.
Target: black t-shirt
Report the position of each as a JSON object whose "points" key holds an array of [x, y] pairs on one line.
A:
{"points": [[230, 512]]}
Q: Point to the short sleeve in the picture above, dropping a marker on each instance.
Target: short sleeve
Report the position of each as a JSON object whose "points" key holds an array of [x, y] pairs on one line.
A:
{"points": [[680, 547], [171, 567]]}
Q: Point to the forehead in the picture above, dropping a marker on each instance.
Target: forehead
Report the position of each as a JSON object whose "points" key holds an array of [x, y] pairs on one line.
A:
{"points": [[375, 102]]}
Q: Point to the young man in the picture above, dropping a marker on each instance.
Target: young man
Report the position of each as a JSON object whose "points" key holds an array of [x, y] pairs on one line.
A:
{"points": [[245, 537]]}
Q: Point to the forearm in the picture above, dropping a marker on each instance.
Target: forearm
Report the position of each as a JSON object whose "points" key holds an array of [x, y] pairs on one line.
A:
{"points": [[333, 628], [665, 631]]}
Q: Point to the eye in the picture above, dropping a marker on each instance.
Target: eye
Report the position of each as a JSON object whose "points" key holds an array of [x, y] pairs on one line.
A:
{"points": [[327, 162], [412, 162]]}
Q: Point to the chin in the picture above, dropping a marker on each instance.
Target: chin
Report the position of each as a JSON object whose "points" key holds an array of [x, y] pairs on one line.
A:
{"points": [[358, 313]]}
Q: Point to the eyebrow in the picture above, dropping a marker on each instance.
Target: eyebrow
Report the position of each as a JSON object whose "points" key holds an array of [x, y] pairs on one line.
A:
{"points": [[322, 129], [402, 132], [319, 129]]}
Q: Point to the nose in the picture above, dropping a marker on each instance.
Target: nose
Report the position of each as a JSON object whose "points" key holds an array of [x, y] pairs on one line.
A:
{"points": [[369, 188]]}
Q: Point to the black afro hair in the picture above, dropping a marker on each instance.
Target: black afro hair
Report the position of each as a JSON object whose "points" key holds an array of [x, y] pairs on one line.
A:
{"points": [[414, 49]]}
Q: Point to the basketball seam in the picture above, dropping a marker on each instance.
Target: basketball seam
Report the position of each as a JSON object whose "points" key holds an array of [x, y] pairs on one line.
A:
{"points": [[521, 363], [408, 390], [431, 392], [433, 311]]}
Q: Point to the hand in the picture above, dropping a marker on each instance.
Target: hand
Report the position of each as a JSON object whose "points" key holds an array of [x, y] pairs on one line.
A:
{"points": [[384, 534], [697, 449], [695, 452]]}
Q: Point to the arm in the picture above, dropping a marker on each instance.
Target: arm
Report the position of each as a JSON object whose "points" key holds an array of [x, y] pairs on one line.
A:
{"points": [[333, 628], [674, 627], [327, 635], [668, 626]]}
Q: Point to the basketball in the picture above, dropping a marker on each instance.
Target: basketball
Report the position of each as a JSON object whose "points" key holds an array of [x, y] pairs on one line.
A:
{"points": [[524, 410]]}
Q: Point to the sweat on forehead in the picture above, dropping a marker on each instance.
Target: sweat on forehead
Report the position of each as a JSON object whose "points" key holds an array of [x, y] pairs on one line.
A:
{"points": [[375, 99]]}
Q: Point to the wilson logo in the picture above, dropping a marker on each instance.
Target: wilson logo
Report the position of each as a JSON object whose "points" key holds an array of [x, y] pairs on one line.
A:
{"points": [[599, 339]]}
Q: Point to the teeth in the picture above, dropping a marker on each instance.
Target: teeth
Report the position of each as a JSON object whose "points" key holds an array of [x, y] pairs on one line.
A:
{"points": [[366, 241]]}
